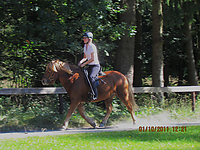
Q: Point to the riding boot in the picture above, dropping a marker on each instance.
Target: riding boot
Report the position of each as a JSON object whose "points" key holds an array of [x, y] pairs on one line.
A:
{"points": [[94, 86]]}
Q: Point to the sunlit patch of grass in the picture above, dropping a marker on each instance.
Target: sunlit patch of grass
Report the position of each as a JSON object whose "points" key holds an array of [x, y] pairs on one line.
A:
{"points": [[124, 140], [185, 113]]}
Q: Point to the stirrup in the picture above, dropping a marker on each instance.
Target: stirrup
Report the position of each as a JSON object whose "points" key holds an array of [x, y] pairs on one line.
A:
{"points": [[94, 97]]}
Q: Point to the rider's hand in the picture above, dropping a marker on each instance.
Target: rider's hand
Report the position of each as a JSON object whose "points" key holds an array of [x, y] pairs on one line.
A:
{"points": [[79, 64], [82, 65]]}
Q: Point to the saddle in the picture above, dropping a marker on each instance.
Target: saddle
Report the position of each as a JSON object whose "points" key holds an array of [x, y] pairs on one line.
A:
{"points": [[100, 73]]}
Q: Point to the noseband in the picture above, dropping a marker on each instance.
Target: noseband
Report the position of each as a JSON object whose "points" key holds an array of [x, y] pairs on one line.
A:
{"points": [[50, 77]]}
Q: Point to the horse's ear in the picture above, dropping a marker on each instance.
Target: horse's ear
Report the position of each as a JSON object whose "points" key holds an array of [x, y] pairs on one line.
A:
{"points": [[57, 61], [54, 68]]}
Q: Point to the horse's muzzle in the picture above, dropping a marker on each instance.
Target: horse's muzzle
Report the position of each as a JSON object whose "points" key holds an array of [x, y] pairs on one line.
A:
{"points": [[45, 81]]}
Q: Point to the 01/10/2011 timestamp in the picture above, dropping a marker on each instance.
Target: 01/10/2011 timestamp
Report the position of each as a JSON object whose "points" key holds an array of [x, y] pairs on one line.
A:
{"points": [[162, 129]]}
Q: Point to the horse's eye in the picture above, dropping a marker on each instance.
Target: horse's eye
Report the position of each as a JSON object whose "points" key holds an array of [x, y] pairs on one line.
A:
{"points": [[49, 70]]}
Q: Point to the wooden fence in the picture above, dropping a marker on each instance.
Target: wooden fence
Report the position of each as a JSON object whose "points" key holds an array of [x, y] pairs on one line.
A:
{"points": [[61, 90]]}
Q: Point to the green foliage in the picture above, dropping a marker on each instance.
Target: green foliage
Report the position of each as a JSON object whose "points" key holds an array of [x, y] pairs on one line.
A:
{"points": [[178, 105], [30, 112], [176, 9], [35, 32]]}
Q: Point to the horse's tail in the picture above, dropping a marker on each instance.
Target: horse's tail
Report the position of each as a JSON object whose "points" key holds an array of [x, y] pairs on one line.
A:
{"points": [[131, 97]]}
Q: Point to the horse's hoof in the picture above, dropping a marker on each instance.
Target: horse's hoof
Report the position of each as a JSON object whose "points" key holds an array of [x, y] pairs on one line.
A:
{"points": [[101, 125], [63, 128], [94, 125]]}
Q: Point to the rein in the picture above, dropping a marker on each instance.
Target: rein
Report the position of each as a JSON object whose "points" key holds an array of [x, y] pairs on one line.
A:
{"points": [[49, 79]]}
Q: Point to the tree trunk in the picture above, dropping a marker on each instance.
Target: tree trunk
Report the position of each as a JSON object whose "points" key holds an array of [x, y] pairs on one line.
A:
{"points": [[124, 58], [198, 54], [180, 72], [157, 52], [166, 73], [138, 52], [192, 74]]}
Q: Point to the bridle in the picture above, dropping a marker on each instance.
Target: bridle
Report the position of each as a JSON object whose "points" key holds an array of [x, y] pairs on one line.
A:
{"points": [[50, 77]]}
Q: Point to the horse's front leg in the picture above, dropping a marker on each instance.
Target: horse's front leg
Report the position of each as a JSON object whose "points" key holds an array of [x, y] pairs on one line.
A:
{"points": [[72, 108], [81, 109], [109, 108]]}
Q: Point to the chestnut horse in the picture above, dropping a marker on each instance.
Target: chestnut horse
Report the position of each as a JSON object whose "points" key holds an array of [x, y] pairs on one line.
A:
{"points": [[73, 80]]}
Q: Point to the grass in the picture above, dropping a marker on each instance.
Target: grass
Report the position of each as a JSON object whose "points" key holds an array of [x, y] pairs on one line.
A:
{"points": [[124, 140]]}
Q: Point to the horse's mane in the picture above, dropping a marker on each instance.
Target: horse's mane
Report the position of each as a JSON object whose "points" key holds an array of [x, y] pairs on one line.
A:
{"points": [[56, 65]]}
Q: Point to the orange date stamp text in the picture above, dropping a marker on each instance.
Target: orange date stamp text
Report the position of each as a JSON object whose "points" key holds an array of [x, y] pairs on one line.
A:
{"points": [[162, 129]]}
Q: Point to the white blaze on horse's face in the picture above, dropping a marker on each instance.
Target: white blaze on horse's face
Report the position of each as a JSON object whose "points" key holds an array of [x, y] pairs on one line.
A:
{"points": [[48, 76]]}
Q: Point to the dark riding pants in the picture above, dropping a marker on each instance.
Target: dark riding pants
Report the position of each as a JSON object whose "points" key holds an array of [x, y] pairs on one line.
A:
{"points": [[93, 71]]}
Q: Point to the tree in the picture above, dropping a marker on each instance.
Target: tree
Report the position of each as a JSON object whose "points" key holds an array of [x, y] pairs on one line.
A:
{"points": [[180, 15], [124, 57], [138, 49], [192, 74], [157, 52]]}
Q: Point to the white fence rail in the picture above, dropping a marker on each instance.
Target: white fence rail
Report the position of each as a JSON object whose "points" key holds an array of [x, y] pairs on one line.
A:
{"points": [[61, 90]]}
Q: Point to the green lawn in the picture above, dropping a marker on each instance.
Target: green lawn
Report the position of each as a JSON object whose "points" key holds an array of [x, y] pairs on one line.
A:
{"points": [[126, 140]]}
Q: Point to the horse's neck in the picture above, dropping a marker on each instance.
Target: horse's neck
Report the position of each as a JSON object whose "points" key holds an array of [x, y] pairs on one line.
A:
{"points": [[73, 67], [68, 80], [64, 78]]}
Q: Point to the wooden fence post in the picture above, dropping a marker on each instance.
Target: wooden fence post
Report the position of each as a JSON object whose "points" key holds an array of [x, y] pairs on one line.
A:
{"points": [[193, 101], [61, 103]]}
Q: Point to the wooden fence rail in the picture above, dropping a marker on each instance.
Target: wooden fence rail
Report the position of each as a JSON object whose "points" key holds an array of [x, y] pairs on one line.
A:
{"points": [[61, 90], [42, 90]]}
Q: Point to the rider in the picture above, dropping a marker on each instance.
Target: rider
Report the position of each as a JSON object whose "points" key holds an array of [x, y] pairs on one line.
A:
{"points": [[90, 58]]}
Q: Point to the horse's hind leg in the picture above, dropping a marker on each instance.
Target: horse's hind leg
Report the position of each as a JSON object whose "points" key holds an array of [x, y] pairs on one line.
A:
{"points": [[81, 109], [109, 108], [123, 95], [130, 108]]}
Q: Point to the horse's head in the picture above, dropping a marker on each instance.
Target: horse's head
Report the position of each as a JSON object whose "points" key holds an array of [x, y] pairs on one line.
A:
{"points": [[52, 71]]}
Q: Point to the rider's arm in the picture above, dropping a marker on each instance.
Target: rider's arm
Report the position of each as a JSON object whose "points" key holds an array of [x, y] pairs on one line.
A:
{"points": [[89, 61], [82, 60]]}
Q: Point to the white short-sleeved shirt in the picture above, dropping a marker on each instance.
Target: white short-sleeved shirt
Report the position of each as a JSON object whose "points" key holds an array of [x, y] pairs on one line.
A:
{"points": [[91, 49]]}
